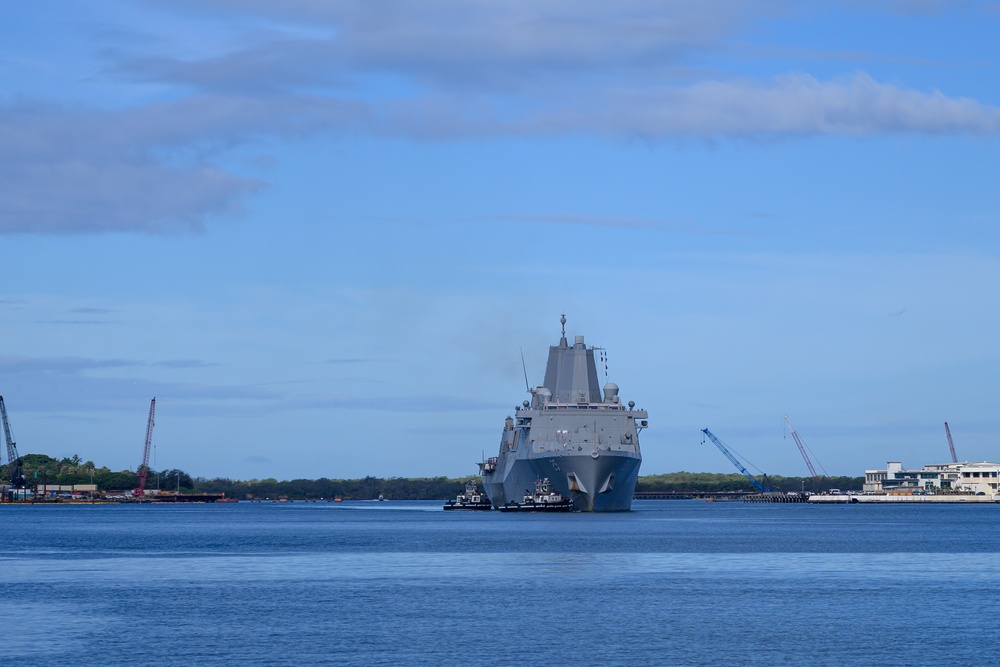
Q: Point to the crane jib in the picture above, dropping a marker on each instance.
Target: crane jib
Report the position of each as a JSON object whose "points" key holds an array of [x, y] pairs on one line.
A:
{"points": [[144, 466], [734, 460], [15, 467]]}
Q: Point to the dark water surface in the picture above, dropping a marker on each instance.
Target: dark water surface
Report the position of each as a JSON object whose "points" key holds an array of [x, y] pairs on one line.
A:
{"points": [[405, 583]]}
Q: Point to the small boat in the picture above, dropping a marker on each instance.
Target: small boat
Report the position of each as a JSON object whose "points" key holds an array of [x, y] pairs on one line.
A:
{"points": [[472, 499], [544, 499]]}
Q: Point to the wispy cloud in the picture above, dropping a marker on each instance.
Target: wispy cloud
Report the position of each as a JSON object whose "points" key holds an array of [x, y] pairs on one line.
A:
{"points": [[417, 403], [622, 222], [12, 364], [349, 361], [62, 365], [91, 311], [447, 42], [54, 384], [793, 105], [183, 363], [920, 7], [146, 169]]}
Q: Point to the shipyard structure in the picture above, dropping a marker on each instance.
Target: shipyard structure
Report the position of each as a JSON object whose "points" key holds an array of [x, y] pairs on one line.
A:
{"points": [[578, 437]]}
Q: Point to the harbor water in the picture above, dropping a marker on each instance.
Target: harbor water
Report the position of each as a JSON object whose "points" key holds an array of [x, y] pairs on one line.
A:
{"points": [[405, 583]]}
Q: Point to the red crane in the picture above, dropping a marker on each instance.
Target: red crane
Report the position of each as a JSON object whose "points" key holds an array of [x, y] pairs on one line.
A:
{"points": [[951, 445], [144, 466], [15, 467], [802, 448]]}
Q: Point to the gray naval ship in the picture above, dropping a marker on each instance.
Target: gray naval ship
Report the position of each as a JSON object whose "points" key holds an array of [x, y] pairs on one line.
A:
{"points": [[586, 445]]}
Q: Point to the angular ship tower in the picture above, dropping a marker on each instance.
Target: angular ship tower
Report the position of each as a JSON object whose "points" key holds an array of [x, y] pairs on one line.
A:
{"points": [[585, 444]]}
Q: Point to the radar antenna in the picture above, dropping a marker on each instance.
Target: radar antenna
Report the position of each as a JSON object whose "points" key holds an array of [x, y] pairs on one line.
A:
{"points": [[525, 369]]}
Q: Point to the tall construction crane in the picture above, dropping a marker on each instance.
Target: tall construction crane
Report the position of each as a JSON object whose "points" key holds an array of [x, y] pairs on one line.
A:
{"points": [[144, 466], [802, 448], [951, 445], [735, 461], [15, 467]]}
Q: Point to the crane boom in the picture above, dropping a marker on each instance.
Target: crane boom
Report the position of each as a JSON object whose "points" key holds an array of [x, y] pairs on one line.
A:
{"points": [[15, 467], [735, 461], [144, 466], [951, 445], [802, 448]]}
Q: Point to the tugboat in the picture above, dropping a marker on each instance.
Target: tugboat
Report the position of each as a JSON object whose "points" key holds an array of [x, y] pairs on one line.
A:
{"points": [[472, 499], [544, 499]]}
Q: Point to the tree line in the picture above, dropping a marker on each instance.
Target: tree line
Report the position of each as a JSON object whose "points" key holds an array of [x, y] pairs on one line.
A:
{"points": [[42, 469], [682, 482]]}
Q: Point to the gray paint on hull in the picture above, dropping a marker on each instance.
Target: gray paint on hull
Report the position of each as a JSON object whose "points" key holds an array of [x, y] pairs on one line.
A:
{"points": [[602, 484]]}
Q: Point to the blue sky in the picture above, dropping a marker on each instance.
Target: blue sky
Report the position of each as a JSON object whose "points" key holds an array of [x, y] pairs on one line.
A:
{"points": [[321, 233]]}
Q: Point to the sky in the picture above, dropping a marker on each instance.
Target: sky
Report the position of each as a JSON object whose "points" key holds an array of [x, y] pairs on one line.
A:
{"points": [[322, 234]]}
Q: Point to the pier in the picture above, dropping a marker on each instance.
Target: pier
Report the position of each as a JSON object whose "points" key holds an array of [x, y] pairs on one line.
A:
{"points": [[691, 495], [722, 496]]}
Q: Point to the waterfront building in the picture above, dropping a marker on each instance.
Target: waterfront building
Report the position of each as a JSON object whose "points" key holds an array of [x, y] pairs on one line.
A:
{"points": [[967, 477]]}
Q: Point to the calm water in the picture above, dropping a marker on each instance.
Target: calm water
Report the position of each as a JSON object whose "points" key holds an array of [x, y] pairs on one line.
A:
{"points": [[394, 583]]}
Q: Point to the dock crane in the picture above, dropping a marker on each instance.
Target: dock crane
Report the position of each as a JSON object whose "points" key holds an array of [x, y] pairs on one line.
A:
{"points": [[144, 466], [951, 445], [735, 461], [15, 467], [802, 448]]}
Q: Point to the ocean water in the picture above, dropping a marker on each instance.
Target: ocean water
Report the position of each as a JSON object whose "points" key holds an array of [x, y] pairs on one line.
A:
{"points": [[405, 583]]}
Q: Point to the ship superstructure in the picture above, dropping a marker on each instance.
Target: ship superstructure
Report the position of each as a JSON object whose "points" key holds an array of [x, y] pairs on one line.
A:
{"points": [[582, 439]]}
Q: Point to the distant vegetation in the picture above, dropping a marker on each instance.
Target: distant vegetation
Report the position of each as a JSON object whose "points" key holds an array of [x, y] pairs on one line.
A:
{"points": [[681, 482], [72, 470]]}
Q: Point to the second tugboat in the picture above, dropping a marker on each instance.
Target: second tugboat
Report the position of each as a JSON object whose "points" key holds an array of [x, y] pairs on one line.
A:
{"points": [[586, 444], [544, 499]]}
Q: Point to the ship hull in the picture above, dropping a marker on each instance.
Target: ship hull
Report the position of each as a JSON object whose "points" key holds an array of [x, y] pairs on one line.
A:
{"points": [[605, 483]]}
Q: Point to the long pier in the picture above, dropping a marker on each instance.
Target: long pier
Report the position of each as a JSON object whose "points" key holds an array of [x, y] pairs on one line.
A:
{"points": [[722, 496], [690, 495]]}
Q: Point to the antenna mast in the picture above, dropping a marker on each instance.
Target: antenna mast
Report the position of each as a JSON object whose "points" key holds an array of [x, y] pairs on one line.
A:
{"points": [[525, 369]]}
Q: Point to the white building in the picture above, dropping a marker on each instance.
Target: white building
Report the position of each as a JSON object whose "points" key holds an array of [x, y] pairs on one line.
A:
{"points": [[966, 477], [980, 477]]}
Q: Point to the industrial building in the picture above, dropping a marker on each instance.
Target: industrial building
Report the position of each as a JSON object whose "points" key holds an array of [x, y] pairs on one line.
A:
{"points": [[964, 477]]}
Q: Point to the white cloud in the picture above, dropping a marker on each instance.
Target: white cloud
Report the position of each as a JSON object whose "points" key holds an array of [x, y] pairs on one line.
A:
{"points": [[432, 71], [787, 105], [147, 168], [794, 104], [451, 40]]}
